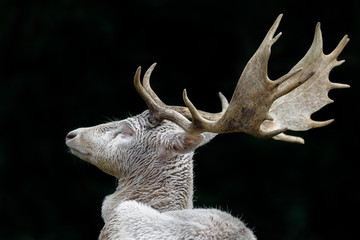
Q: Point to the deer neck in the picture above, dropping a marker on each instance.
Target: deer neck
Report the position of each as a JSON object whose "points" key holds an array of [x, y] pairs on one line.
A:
{"points": [[165, 184]]}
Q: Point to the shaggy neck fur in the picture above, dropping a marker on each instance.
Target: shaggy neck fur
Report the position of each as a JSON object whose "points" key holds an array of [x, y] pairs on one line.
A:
{"points": [[166, 184]]}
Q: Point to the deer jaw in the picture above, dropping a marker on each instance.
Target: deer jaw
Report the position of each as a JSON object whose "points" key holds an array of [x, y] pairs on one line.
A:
{"points": [[153, 163]]}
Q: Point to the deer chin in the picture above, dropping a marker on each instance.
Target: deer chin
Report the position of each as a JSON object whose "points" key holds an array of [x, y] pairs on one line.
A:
{"points": [[77, 151], [80, 154]]}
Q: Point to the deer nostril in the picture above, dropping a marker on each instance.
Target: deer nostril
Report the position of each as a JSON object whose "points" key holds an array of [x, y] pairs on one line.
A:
{"points": [[70, 136]]}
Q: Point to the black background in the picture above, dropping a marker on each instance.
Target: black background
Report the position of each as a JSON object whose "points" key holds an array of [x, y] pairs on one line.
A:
{"points": [[70, 64]]}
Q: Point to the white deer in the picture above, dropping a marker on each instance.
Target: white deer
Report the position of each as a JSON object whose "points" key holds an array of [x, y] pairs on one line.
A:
{"points": [[151, 153]]}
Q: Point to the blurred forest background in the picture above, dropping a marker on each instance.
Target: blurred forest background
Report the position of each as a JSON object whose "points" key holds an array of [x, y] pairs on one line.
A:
{"points": [[69, 64]]}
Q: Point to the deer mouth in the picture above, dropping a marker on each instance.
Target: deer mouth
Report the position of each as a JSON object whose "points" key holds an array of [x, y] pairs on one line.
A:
{"points": [[80, 153], [75, 150]]}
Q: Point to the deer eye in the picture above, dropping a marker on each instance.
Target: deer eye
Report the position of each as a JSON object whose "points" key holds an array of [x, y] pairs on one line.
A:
{"points": [[125, 131]]}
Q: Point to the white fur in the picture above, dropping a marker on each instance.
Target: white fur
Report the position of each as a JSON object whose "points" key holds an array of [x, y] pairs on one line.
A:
{"points": [[154, 166], [132, 220]]}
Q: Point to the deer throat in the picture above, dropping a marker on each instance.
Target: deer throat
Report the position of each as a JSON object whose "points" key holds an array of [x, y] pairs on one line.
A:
{"points": [[164, 187]]}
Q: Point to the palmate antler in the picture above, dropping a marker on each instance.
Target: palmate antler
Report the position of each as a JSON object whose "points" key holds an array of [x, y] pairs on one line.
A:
{"points": [[259, 106]]}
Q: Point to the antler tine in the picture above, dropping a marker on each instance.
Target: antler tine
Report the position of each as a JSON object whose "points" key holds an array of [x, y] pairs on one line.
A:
{"points": [[158, 110], [146, 85], [224, 102], [285, 77], [292, 85], [334, 54], [269, 38], [142, 91], [198, 124]]}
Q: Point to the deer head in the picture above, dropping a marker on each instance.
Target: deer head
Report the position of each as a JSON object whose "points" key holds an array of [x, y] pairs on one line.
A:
{"points": [[121, 147]]}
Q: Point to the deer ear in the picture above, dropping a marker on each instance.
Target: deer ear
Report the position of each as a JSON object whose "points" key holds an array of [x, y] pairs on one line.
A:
{"points": [[185, 143]]}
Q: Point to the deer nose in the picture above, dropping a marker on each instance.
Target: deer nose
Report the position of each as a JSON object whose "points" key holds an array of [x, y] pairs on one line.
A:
{"points": [[70, 136]]}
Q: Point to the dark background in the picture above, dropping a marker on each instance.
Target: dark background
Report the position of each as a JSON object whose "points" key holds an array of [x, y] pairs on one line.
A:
{"points": [[70, 64]]}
